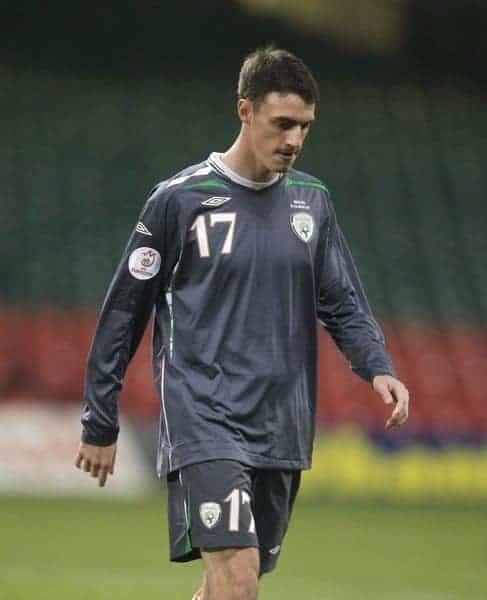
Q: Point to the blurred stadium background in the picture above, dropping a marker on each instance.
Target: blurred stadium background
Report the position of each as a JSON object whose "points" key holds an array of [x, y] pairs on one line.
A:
{"points": [[99, 101]]}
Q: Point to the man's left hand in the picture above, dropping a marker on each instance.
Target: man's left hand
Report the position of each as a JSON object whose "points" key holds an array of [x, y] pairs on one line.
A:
{"points": [[393, 391]]}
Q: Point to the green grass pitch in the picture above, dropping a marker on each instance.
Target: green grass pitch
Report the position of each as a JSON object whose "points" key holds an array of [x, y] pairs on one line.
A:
{"points": [[90, 550]]}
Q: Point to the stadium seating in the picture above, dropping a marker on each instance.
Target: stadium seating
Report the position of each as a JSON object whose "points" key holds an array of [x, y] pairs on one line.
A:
{"points": [[43, 356]]}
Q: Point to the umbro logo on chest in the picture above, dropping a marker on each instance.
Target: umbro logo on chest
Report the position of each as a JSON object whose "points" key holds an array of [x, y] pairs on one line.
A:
{"points": [[216, 201]]}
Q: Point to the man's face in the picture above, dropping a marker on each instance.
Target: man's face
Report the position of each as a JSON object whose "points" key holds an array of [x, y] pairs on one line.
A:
{"points": [[277, 128]]}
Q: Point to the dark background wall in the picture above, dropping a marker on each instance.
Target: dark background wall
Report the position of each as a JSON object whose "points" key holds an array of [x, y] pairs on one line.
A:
{"points": [[99, 102]]}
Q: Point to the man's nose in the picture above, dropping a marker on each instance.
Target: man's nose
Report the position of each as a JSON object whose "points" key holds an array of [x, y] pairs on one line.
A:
{"points": [[294, 137]]}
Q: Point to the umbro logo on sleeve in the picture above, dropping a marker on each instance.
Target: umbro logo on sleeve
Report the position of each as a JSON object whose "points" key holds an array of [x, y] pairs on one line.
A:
{"points": [[141, 228], [216, 200]]}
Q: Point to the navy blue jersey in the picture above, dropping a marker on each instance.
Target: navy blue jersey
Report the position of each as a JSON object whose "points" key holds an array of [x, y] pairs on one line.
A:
{"points": [[237, 276]]}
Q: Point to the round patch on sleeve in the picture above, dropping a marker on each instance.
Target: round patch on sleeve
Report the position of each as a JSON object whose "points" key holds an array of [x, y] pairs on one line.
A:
{"points": [[144, 263]]}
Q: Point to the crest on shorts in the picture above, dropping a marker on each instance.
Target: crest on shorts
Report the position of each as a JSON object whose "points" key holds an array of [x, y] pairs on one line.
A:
{"points": [[303, 225], [210, 513]]}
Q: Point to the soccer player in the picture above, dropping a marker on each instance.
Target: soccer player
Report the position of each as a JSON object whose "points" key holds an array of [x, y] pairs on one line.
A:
{"points": [[238, 258]]}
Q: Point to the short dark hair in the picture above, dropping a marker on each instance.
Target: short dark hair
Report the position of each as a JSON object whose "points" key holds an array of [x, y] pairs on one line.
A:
{"points": [[273, 69]]}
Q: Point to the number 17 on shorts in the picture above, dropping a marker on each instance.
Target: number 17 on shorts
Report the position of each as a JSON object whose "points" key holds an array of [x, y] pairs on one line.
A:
{"points": [[210, 506]]}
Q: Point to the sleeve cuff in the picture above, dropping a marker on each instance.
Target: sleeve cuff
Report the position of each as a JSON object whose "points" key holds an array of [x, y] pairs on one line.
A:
{"points": [[106, 438], [370, 373]]}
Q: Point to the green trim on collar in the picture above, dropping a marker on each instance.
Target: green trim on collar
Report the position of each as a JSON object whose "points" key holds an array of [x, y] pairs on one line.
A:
{"points": [[216, 183], [305, 183]]}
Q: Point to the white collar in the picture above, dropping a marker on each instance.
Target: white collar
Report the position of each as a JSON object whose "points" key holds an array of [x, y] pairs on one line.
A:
{"points": [[215, 160]]}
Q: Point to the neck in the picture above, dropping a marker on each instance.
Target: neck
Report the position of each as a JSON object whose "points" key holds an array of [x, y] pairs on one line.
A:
{"points": [[241, 159]]}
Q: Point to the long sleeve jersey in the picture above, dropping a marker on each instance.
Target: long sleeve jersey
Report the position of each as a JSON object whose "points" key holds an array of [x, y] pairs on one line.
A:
{"points": [[237, 277]]}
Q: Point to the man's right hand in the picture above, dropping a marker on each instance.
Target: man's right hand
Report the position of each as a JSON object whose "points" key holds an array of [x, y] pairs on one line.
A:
{"points": [[99, 461]]}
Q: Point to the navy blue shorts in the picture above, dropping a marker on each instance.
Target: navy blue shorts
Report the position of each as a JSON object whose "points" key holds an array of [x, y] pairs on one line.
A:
{"points": [[225, 504]]}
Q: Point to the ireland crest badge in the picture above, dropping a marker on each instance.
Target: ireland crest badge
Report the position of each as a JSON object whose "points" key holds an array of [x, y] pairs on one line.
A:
{"points": [[210, 513], [303, 225]]}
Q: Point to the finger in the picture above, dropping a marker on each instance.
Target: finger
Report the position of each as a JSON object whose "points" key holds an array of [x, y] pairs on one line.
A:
{"points": [[79, 460], [386, 394], [400, 394], [95, 468], [398, 418], [403, 416], [396, 423], [402, 420], [392, 424], [102, 476], [86, 465], [393, 420], [403, 408], [112, 467]]}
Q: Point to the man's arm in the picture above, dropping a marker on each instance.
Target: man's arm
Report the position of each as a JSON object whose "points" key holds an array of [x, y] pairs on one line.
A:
{"points": [[343, 309], [126, 310]]}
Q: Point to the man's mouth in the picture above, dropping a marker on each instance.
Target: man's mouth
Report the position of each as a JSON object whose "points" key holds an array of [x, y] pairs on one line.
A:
{"points": [[286, 155]]}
